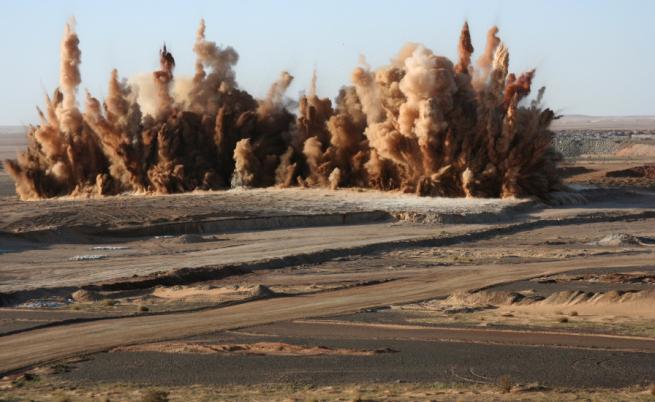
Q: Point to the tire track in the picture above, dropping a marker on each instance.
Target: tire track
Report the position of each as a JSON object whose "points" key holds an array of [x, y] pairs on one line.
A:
{"points": [[51, 344]]}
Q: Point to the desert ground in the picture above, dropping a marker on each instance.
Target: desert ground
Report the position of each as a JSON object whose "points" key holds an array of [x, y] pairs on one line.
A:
{"points": [[313, 294]]}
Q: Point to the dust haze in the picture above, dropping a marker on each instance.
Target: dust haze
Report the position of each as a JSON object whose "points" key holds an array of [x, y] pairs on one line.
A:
{"points": [[423, 124]]}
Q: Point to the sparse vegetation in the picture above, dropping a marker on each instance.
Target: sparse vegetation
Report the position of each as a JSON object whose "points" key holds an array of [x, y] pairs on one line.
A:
{"points": [[574, 314], [25, 379], [505, 383], [60, 368], [143, 309], [46, 389], [154, 395], [563, 320]]}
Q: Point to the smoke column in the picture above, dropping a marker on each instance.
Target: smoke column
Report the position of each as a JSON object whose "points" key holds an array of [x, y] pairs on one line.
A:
{"points": [[422, 124]]}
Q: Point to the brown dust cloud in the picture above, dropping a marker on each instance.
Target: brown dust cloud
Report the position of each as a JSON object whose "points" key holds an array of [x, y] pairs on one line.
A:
{"points": [[423, 124]]}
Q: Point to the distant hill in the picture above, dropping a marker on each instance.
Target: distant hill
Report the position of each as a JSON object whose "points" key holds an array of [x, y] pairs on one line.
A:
{"points": [[582, 122], [12, 140], [12, 130]]}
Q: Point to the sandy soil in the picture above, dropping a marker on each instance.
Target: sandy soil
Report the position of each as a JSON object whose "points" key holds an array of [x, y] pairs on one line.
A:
{"points": [[617, 312], [414, 360], [426, 266], [51, 388], [600, 173], [162, 215], [309, 286], [43, 345], [257, 348]]}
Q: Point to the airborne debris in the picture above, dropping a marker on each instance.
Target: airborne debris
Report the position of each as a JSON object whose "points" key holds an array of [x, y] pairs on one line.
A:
{"points": [[422, 125]]}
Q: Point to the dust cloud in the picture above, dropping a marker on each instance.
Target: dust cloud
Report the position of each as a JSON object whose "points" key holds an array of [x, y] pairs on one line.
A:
{"points": [[422, 124]]}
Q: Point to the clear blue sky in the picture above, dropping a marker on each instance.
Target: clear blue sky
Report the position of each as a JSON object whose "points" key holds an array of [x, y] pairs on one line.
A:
{"points": [[595, 56]]}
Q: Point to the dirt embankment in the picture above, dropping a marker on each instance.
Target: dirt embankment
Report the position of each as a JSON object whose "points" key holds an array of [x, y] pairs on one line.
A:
{"points": [[645, 171], [243, 210], [258, 348], [630, 303], [528, 307]]}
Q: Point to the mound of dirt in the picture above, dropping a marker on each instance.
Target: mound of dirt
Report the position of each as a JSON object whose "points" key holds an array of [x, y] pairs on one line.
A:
{"points": [[261, 291], [185, 293], [637, 150], [645, 171], [473, 302], [190, 238], [211, 293], [568, 297], [85, 296], [619, 239], [259, 348], [571, 297], [637, 277], [484, 298], [643, 298], [465, 302]]}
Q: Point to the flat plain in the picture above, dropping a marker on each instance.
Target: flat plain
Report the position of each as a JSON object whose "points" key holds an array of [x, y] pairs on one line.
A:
{"points": [[347, 294]]}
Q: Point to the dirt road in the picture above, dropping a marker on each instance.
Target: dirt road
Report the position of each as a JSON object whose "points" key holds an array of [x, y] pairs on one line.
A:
{"points": [[52, 267], [49, 344], [325, 329]]}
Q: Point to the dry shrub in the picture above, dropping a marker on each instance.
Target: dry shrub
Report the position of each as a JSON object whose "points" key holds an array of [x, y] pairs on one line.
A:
{"points": [[154, 395], [505, 383]]}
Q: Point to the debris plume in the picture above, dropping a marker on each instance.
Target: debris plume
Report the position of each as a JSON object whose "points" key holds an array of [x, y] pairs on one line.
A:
{"points": [[422, 124]]}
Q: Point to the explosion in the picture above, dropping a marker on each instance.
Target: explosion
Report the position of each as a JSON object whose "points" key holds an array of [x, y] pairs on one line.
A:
{"points": [[422, 125]]}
